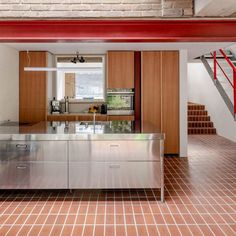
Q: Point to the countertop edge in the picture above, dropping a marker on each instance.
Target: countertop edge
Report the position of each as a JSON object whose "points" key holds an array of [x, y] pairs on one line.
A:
{"points": [[82, 137]]}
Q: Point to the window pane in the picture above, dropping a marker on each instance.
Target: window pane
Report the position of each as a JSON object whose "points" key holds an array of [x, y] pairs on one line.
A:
{"points": [[89, 84]]}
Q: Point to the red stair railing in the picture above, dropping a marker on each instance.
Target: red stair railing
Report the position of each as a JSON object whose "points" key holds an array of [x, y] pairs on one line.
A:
{"points": [[233, 85]]}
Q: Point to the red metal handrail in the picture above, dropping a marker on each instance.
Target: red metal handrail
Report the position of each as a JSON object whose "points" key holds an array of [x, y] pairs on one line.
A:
{"points": [[228, 60], [217, 63], [234, 74]]}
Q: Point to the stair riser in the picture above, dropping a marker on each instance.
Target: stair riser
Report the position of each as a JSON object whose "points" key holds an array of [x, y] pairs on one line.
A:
{"points": [[202, 131], [196, 107], [200, 125], [198, 118], [197, 113]]}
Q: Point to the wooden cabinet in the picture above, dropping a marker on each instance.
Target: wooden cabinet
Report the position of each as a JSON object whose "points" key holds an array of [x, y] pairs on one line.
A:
{"points": [[76, 117], [151, 92], [61, 118], [32, 88], [160, 96], [114, 118], [120, 69], [170, 100], [84, 117]]}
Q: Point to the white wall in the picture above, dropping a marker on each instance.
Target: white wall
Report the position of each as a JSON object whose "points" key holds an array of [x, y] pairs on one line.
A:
{"points": [[183, 91], [202, 90], [214, 7], [9, 84]]}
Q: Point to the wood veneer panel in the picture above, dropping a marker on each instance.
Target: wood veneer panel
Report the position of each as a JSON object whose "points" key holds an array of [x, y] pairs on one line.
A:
{"points": [[70, 85], [123, 117], [170, 100], [120, 69], [32, 88], [61, 117], [151, 92]]}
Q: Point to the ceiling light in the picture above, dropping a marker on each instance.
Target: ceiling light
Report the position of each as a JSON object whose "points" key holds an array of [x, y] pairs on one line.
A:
{"points": [[77, 58]]}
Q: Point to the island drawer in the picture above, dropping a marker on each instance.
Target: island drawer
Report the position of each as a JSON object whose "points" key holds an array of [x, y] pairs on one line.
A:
{"points": [[33, 151], [33, 175], [137, 150], [95, 175]]}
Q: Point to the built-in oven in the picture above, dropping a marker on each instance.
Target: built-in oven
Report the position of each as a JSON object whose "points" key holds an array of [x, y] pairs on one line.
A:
{"points": [[120, 101]]}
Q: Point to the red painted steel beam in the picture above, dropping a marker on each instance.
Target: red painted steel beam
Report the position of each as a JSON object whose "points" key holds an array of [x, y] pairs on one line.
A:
{"points": [[118, 30]]}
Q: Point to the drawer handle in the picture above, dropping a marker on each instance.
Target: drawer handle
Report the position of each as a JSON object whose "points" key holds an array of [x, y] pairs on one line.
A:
{"points": [[114, 145], [114, 166], [21, 167], [21, 146]]}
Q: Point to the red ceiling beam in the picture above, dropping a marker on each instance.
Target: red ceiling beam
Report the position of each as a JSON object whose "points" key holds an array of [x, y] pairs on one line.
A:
{"points": [[118, 30]]}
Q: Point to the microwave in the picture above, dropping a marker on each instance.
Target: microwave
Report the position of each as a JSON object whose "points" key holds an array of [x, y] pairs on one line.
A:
{"points": [[120, 102]]}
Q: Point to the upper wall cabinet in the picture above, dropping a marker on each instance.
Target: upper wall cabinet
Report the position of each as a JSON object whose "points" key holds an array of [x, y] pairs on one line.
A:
{"points": [[120, 69], [32, 88]]}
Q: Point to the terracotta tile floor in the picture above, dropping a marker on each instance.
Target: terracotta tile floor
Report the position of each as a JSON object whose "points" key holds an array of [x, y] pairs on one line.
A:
{"points": [[200, 200]]}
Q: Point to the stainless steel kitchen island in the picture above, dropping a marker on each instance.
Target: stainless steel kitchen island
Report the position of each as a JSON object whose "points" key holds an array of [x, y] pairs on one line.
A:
{"points": [[80, 155]]}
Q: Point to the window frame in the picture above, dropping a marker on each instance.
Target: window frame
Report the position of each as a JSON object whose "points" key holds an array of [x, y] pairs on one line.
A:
{"points": [[76, 100]]}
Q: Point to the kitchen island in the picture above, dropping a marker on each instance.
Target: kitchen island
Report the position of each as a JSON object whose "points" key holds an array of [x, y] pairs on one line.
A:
{"points": [[80, 155]]}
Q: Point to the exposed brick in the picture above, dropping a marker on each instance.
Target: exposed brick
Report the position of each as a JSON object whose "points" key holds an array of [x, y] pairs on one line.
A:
{"points": [[94, 8]]}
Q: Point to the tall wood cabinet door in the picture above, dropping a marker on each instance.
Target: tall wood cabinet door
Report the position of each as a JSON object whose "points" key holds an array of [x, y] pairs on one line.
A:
{"points": [[170, 100], [120, 69], [32, 88], [151, 92]]}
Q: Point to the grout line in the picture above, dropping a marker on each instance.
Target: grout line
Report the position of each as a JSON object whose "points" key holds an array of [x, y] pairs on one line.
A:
{"points": [[77, 213], [96, 211]]}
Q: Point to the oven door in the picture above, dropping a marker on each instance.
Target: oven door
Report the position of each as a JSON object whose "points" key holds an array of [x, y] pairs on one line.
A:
{"points": [[120, 103]]}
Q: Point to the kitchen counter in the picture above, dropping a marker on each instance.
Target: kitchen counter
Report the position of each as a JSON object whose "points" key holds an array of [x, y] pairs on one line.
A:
{"points": [[87, 117], [77, 114], [109, 130], [80, 155]]}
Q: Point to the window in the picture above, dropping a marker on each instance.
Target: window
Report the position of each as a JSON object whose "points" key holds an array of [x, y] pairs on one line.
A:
{"points": [[82, 81]]}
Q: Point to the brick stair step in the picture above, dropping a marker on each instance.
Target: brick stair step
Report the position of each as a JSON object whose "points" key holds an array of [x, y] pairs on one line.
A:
{"points": [[197, 112], [199, 118], [196, 107], [201, 124], [201, 131]]}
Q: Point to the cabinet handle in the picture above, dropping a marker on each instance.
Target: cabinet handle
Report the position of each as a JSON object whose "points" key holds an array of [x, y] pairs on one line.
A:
{"points": [[21, 167], [21, 146], [114, 145], [114, 166]]}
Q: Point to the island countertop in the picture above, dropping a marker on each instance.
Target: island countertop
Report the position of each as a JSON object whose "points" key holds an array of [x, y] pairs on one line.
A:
{"points": [[47, 131]]}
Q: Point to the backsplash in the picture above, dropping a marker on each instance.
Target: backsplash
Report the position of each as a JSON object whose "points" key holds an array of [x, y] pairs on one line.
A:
{"points": [[79, 107]]}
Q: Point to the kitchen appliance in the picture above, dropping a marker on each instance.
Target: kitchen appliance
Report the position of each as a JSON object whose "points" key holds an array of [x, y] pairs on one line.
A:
{"points": [[120, 102], [66, 105], [55, 106], [103, 109]]}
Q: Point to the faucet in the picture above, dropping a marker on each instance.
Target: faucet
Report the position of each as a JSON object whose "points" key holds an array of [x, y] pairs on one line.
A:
{"points": [[94, 120]]}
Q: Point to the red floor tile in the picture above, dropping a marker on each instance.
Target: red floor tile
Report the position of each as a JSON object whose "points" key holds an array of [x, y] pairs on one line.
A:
{"points": [[200, 200]]}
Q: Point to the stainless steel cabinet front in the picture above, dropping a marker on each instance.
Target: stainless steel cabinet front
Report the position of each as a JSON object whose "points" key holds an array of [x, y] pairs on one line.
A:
{"points": [[32, 175], [140, 150], [95, 175], [33, 165], [33, 151]]}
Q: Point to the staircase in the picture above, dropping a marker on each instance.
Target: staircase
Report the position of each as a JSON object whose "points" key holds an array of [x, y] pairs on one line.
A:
{"points": [[221, 66], [198, 120]]}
